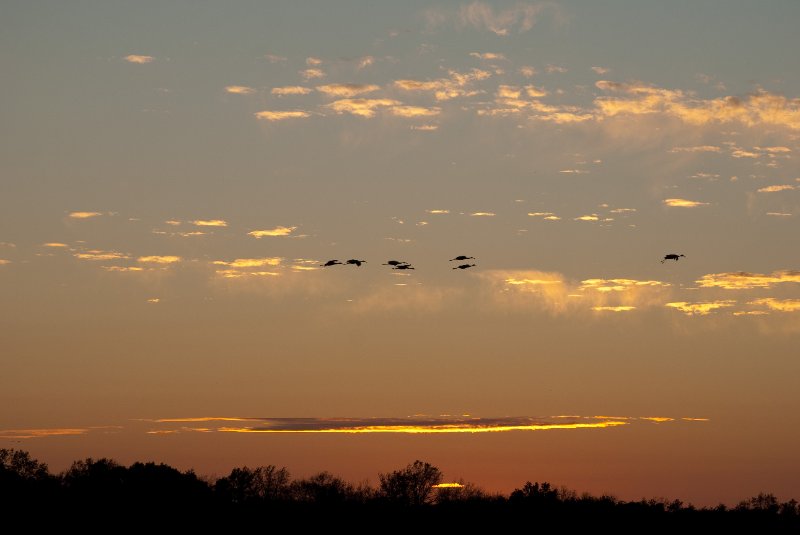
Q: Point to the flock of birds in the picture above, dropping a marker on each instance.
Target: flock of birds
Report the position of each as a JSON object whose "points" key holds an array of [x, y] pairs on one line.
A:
{"points": [[397, 264], [402, 265]]}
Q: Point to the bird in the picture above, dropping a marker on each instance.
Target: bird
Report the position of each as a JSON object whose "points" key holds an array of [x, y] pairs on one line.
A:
{"points": [[394, 263], [464, 266], [672, 256], [403, 266], [356, 262], [331, 263], [462, 257]]}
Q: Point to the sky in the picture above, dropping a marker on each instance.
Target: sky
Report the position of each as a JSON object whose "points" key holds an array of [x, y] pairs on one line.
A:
{"points": [[174, 174]]}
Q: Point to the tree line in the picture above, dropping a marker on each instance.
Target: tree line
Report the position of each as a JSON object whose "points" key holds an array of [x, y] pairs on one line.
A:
{"points": [[95, 490]]}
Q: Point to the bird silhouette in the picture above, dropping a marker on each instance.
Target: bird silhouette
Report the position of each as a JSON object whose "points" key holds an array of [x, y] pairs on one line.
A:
{"points": [[403, 266], [464, 266], [356, 262], [462, 257], [331, 263], [672, 256], [394, 263]]}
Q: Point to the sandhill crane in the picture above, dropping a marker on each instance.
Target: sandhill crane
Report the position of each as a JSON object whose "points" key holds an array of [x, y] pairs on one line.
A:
{"points": [[403, 266], [394, 263], [462, 257], [356, 262], [331, 263], [672, 256], [464, 266]]}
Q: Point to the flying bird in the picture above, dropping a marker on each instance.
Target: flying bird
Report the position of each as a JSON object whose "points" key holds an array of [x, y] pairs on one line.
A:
{"points": [[356, 262], [394, 263], [464, 266], [331, 263], [403, 266], [462, 257], [672, 256]]}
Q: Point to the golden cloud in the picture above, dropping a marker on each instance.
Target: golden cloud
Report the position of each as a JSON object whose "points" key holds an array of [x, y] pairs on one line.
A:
{"points": [[438, 211], [781, 305], [310, 74], [527, 72], [84, 215], [614, 309], [251, 262], [240, 90], [483, 214], [508, 92], [101, 255], [40, 433], [743, 280], [778, 187], [237, 274], [277, 231], [313, 61], [488, 56], [364, 62], [54, 244], [140, 60], [4, 262], [290, 90], [361, 106], [446, 88], [346, 90], [122, 269], [698, 148], [593, 217], [683, 203], [700, 309], [210, 223], [282, 115], [617, 285], [158, 259], [414, 111]]}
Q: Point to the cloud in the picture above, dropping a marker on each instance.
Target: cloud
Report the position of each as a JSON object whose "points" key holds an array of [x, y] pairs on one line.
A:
{"points": [[240, 90], [4, 262], [290, 90], [522, 17], [541, 214], [593, 217], [313, 62], [527, 71], [154, 300], [277, 231], [483, 214], [508, 92], [158, 259], [447, 88], [361, 106], [425, 127], [781, 305], [535, 92], [282, 115], [54, 244], [210, 223], [172, 222], [574, 171], [97, 254], [760, 108], [683, 203], [310, 74], [741, 153], [365, 62], [614, 309], [140, 60], [618, 285], [746, 281], [272, 58], [84, 215], [346, 90], [40, 433], [698, 148], [438, 211], [700, 309], [779, 214], [488, 56], [122, 269], [251, 262], [555, 68], [414, 111], [601, 70], [778, 187], [622, 210]]}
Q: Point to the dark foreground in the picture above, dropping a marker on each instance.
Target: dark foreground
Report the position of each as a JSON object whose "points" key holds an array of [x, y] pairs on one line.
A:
{"points": [[103, 495]]}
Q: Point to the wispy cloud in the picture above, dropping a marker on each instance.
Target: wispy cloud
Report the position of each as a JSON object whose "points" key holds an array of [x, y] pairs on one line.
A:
{"points": [[277, 231], [55, 245], [592, 217], [778, 187], [601, 70], [138, 59], [158, 259], [310, 74], [743, 280], [438, 211], [414, 111], [697, 148], [365, 62], [488, 56], [96, 254], [618, 285], [347, 90], [683, 203], [41, 433], [4, 262], [457, 85], [290, 90], [240, 90], [361, 107], [700, 308], [84, 215], [313, 62], [273, 58], [210, 223], [251, 262], [781, 305], [613, 308], [282, 115], [483, 214], [520, 18]]}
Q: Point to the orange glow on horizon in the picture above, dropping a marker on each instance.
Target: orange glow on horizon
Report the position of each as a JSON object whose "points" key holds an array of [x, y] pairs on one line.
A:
{"points": [[434, 429]]}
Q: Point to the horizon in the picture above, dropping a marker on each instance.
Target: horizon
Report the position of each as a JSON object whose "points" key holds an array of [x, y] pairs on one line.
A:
{"points": [[621, 183]]}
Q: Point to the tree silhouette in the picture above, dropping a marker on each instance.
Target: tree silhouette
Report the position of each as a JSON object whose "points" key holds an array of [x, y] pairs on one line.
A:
{"points": [[413, 485], [265, 483]]}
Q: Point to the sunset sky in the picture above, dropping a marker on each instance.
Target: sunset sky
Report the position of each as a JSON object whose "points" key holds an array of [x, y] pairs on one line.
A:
{"points": [[172, 175]]}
